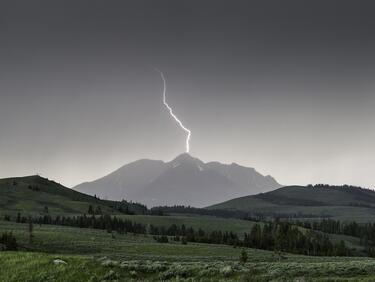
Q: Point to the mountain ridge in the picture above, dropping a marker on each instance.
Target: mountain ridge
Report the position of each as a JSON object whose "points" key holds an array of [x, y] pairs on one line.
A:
{"points": [[340, 202], [33, 194], [184, 180]]}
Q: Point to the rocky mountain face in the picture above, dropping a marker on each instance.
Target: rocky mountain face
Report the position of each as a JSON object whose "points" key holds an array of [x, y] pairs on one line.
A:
{"points": [[183, 181]]}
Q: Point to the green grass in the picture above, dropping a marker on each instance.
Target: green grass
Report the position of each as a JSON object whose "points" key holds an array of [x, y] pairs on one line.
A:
{"points": [[30, 195], [33, 267], [247, 203], [96, 255], [69, 240], [339, 204], [206, 223]]}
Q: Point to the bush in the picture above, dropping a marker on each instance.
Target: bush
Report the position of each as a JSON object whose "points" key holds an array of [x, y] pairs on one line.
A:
{"points": [[161, 239], [243, 256], [183, 241], [226, 270], [8, 242]]}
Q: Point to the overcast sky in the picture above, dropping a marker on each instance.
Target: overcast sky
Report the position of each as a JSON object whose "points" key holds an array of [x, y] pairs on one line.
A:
{"points": [[286, 87]]}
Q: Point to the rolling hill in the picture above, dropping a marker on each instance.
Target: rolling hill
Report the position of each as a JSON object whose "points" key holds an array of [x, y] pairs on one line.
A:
{"points": [[31, 194], [182, 181], [341, 202]]}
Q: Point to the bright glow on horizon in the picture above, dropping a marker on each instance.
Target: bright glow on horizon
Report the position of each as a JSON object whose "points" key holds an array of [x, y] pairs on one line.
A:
{"points": [[172, 114]]}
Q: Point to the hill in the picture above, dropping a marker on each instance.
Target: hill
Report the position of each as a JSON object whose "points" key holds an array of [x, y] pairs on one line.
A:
{"points": [[341, 202], [182, 181], [34, 195]]}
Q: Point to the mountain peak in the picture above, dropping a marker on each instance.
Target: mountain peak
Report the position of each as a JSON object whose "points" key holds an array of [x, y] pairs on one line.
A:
{"points": [[185, 180], [185, 157]]}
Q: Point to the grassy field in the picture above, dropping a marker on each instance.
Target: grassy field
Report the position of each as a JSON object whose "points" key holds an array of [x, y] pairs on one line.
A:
{"points": [[62, 239], [96, 255], [207, 223], [33, 267], [69, 240]]}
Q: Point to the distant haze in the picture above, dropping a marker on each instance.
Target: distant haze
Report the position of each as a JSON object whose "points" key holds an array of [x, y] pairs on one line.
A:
{"points": [[286, 87]]}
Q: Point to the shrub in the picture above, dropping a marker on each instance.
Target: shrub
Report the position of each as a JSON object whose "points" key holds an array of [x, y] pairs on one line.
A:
{"points": [[243, 256], [183, 241], [8, 241], [226, 270], [161, 239]]}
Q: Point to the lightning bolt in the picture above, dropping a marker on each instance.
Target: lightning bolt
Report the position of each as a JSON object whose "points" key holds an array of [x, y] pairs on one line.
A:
{"points": [[188, 132]]}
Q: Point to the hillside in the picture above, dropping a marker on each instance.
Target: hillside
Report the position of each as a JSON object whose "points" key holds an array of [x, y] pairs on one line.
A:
{"points": [[32, 194], [183, 181], [341, 202]]}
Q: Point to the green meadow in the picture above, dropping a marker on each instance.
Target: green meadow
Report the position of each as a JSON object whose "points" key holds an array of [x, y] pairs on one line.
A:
{"points": [[96, 255], [63, 253]]}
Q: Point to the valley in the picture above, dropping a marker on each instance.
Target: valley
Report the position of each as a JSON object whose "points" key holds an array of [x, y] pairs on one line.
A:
{"points": [[32, 209]]}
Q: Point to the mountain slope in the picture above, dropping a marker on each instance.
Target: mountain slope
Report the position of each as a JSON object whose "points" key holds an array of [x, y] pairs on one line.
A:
{"points": [[126, 182], [31, 194], [182, 181], [344, 202]]}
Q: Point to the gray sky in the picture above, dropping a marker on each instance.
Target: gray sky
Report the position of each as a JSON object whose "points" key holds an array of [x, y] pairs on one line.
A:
{"points": [[286, 87]]}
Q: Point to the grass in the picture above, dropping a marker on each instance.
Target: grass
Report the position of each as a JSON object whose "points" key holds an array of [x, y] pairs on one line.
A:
{"points": [[96, 255], [69, 240], [30, 195], [206, 223], [33, 267], [339, 204]]}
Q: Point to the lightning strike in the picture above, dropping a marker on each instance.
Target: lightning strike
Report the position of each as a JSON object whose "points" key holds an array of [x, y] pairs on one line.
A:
{"points": [[172, 114]]}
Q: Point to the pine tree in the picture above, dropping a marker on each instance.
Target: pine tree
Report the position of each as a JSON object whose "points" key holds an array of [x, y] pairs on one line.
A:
{"points": [[8, 241], [90, 210], [30, 229], [243, 256]]}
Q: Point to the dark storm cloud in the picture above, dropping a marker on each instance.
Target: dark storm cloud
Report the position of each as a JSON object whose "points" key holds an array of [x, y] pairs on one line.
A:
{"points": [[284, 86]]}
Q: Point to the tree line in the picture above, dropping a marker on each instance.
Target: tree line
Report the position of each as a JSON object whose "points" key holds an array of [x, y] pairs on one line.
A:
{"points": [[276, 235], [366, 231], [252, 216]]}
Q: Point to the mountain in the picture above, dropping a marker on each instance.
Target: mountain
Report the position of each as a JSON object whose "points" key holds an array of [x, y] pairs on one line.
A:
{"points": [[183, 181], [32, 194], [341, 202]]}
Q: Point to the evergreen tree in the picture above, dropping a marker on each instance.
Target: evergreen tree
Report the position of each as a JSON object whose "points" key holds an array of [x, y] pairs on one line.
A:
{"points": [[243, 256], [8, 242], [90, 210], [30, 229]]}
